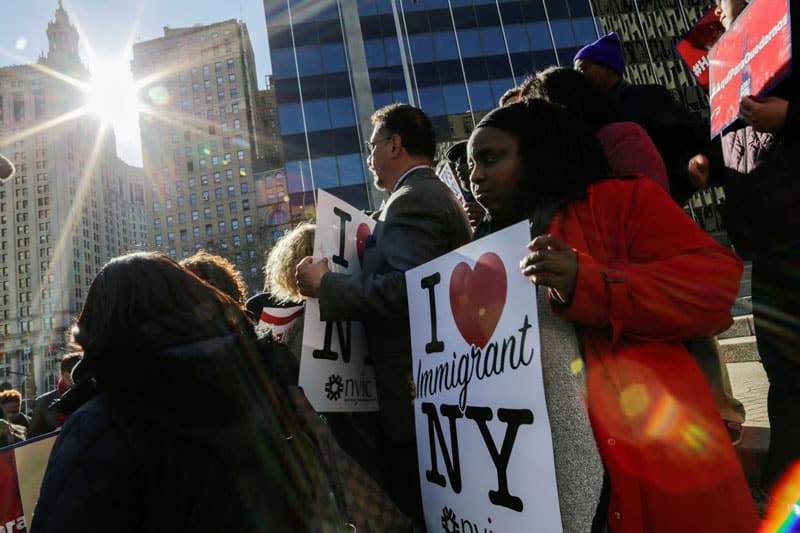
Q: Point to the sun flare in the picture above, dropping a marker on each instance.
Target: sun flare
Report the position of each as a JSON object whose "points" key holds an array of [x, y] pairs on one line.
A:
{"points": [[113, 97]]}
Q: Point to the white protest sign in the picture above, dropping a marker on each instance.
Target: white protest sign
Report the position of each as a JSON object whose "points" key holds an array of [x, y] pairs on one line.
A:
{"points": [[334, 370], [449, 179], [483, 434]]}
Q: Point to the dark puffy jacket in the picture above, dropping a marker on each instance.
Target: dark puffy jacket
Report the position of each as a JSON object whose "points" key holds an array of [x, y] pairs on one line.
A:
{"points": [[193, 438], [762, 187]]}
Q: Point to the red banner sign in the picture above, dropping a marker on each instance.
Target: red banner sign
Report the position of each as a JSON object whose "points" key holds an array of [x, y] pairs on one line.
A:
{"points": [[22, 468], [749, 59], [694, 48]]}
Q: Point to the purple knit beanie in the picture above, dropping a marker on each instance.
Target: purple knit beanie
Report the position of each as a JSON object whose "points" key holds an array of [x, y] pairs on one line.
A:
{"points": [[607, 51]]}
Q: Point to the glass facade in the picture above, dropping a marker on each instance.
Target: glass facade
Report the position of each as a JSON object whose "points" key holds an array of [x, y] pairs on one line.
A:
{"points": [[335, 61]]}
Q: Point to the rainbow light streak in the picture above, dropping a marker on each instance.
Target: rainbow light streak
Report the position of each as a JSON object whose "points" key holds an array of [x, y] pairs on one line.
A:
{"points": [[783, 515]]}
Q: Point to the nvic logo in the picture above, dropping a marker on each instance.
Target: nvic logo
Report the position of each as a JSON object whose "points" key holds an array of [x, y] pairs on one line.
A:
{"points": [[348, 390], [453, 524]]}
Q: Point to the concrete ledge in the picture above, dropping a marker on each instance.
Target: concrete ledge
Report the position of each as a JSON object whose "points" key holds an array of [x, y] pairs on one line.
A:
{"points": [[742, 327]]}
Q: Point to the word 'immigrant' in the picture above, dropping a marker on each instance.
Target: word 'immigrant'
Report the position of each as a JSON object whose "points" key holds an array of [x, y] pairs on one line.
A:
{"points": [[478, 364]]}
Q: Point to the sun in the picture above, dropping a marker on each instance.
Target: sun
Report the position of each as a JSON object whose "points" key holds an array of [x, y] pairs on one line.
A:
{"points": [[112, 95]]}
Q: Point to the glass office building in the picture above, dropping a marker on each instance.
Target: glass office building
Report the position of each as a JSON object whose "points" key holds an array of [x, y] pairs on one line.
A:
{"points": [[335, 61]]}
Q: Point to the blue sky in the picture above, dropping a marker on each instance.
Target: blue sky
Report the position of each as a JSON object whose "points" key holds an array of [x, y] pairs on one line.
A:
{"points": [[107, 24]]}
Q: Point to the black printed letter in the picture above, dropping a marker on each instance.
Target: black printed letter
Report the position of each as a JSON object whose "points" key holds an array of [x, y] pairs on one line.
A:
{"points": [[429, 283], [514, 418], [344, 218]]}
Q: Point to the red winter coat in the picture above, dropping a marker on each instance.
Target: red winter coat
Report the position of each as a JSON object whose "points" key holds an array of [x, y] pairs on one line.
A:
{"points": [[648, 278]]}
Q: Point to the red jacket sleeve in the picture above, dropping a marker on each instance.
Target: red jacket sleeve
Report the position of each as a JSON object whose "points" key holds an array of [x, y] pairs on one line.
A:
{"points": [[648, 271]]}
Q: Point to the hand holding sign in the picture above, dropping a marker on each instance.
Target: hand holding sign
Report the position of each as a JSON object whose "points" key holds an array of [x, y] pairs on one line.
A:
{"points": [[309, 276], [766, 114], [552, 263]]}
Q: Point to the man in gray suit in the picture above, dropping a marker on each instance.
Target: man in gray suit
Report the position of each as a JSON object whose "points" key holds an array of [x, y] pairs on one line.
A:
{"points": [[420, 221]]}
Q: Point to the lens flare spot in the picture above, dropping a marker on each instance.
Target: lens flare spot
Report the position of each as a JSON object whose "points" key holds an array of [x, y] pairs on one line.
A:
{"points": [[634, 400], [576, 366], [21, 44], [482, 311], [159, 95], [664, 418], [286, 198], [783, 515], [695, 437], [242, 172]]}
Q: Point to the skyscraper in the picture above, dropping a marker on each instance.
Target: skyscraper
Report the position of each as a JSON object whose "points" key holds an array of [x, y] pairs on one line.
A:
{"points": [[199, 142], [335, 61], [649, 32], [72, 206]]}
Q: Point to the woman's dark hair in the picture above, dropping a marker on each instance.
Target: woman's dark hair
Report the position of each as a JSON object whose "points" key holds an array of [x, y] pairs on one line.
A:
{"points": [[561, 156], [144, 302], [575, 92], [219, 272]]}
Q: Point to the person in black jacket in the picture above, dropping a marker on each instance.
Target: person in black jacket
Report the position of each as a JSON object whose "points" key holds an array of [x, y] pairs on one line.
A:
{"points": [[183, 428], [762, 156], [681, 139]]}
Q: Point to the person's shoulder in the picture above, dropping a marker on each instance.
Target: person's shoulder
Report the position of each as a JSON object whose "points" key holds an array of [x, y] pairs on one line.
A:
{"points": [[622, 186], [49, 395]]}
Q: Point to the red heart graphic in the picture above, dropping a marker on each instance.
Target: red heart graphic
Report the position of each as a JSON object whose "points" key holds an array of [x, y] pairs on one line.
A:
{"points": [[362, 233], [477, 298]]}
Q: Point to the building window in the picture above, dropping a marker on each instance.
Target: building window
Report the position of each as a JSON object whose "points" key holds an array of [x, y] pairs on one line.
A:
{"points": [[221, 226], [232, 208], [243, 186], [220, 210], [231, 191], [248, 221]]}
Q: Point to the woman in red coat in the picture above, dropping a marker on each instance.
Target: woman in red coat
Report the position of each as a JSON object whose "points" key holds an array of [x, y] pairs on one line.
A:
{"points": [[637, 277]]}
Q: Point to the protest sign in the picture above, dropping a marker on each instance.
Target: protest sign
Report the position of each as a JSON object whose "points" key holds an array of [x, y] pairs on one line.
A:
{"points": [[22, 469], [483, 434], [749, 59], [449, 179], [694, 48], [335, 371]]}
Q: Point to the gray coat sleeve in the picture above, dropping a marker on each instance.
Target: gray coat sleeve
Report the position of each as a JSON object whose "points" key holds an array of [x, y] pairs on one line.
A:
{"points": [[416, 229]]}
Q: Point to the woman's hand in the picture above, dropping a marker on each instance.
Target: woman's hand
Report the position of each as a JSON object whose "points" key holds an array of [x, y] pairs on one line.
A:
{"points": [[552, 263], [767, 114]]}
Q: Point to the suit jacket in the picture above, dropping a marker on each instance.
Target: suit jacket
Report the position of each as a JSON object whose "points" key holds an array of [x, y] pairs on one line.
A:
{"points": [[421, 221]]}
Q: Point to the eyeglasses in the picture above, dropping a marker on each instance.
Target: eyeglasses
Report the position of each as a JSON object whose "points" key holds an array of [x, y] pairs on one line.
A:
{"points": [[372, 145]]}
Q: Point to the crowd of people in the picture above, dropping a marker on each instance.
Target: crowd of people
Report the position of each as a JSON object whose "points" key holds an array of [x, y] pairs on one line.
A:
{"points": [[182, 407]]}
